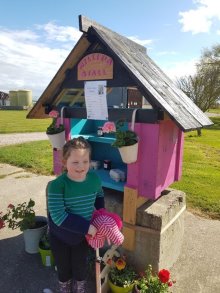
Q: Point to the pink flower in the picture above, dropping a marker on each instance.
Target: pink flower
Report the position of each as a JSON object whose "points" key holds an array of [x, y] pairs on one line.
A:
{"points": [[109, 127], [54, 114]]}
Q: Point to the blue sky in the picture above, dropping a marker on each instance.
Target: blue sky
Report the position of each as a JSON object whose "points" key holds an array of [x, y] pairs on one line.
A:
{"points": [[37, 36]]}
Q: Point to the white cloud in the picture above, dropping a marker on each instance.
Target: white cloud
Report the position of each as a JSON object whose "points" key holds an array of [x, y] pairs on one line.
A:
{"points": [[182, 68], [28, 59], [60, 33], [200, 20]]}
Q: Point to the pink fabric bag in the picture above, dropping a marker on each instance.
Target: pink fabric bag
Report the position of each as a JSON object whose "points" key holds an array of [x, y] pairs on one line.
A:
{"points": [[108, 227]]}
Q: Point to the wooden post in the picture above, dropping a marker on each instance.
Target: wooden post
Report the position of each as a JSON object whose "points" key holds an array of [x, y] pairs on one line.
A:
{"points": [[131, 203]]}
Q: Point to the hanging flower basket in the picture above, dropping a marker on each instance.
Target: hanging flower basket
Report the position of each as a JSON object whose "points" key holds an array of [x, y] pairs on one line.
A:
{"points": [[127, 141], [55, 131], [57, 140], [129, 153]]}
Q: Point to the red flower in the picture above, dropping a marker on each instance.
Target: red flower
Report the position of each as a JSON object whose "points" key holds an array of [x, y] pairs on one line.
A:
{"points": [[2, 224], [141, 274], [164, 276], [11, 206], [170, 284]]}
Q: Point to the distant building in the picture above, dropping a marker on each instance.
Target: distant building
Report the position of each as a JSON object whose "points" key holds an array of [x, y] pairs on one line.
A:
{"points": [[4, 99]]}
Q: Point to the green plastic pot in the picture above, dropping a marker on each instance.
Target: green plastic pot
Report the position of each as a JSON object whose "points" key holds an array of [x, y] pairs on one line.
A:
{"points": [[46, 257], [117, 289]]}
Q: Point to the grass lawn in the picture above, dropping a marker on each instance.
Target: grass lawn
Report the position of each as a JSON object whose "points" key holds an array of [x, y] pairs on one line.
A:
{"points": [[201, 171], [217, 110], [12, 121], [201, 163], [34, 156]]}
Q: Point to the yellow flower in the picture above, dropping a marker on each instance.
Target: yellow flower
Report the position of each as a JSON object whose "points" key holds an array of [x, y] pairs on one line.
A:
{"points": [[120, 264]]}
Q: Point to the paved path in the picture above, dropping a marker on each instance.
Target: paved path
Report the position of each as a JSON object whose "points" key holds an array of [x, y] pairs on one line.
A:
{"points": [[16, 138]]}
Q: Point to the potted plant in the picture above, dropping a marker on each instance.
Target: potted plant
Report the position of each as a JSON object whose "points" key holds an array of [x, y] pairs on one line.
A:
{"points": [[126, 140], [55, 131], [45, 250], [23, 216], [148, 282], [121, 276]]}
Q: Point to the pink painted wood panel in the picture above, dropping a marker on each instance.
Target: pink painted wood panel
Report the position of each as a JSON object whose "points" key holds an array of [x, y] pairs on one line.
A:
{"points": [[57, 161], [167, 155], [159, 161]]}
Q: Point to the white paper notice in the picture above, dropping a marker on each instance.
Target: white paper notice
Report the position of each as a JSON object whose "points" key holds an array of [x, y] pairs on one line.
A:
{"points": [[96, 102]]}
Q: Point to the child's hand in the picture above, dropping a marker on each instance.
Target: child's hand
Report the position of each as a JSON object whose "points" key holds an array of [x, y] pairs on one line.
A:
{"points": [[92, 230]]}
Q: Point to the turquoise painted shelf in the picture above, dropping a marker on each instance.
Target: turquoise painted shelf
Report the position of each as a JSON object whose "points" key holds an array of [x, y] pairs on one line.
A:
{"points": [[104, 150], [107, 181]]}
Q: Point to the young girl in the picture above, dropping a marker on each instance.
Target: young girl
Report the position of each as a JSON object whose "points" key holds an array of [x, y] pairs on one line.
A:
{"points": [[72, 198]]}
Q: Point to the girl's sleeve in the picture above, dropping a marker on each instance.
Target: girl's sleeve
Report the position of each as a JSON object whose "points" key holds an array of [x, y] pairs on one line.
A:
{"points": [[58, 213], [99, 202]]}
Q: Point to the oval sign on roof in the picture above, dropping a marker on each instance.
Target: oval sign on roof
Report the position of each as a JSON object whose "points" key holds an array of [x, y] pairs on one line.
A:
{"points": [[95, 66]]}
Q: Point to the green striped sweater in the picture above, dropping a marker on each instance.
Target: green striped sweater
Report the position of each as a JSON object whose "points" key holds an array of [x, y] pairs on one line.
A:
{"points": [[66, 197]]}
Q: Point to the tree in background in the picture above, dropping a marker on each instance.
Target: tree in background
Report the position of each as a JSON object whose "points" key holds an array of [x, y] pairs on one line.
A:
{"points": [[204, 87]]}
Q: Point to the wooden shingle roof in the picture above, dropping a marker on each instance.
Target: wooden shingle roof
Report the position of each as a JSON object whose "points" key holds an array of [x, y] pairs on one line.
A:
{"points": [[155, 85]]}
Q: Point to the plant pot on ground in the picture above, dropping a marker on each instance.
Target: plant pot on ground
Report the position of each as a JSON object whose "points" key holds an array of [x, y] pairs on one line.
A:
{"points": [[45, 250], [148, 281], [23, 216], [121, 276]]}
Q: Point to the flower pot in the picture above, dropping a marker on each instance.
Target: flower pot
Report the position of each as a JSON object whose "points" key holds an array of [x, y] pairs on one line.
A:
{"points": [[57, 140], [117, 289], [32, 236], [129, 153], [46, 257]]}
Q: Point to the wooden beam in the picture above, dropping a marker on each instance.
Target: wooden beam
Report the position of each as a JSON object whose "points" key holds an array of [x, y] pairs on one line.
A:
{"points": [[142, 115], [130, 205]]}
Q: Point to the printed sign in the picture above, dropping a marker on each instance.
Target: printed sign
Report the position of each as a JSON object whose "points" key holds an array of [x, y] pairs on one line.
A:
{"points": [[96, 102]]}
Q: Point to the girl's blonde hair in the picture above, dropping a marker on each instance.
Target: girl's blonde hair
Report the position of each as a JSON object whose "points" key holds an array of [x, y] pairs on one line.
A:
{"points": [[74, 144]]}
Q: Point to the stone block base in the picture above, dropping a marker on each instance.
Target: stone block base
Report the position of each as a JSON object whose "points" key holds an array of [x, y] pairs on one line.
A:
{"points": [[159, 229]]}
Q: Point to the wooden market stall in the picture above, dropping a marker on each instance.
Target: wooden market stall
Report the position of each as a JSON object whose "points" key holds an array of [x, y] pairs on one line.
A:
{"points": [[133, 80]]}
